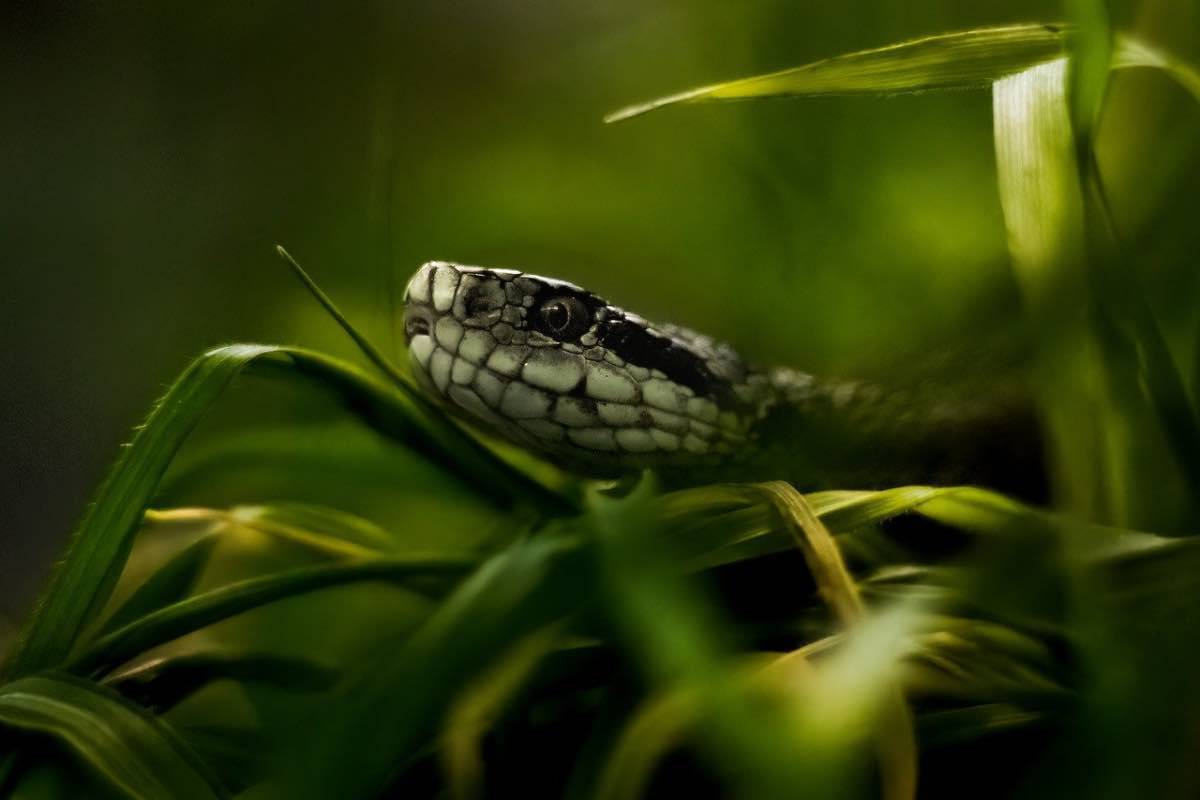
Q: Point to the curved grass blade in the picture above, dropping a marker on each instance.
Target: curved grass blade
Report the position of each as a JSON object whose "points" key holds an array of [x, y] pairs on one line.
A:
{"points": [[124, 745], [973, 59], [397, 701], [194, 613], [170, 583], [326, 532], [162, 683], [896, 744], [98, 550], [724, 523], [759, 746], [962, 60], [476, 709]]}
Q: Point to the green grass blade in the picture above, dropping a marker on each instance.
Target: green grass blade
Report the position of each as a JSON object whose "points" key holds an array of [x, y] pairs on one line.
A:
{"points": [[1131, 52], [973, 59], [170, 583], [427, 431], [397, 701], [962, 60], [1091, 52], [98, 550], [162, 683], [124, 745], [194, 613], [478, 706]]}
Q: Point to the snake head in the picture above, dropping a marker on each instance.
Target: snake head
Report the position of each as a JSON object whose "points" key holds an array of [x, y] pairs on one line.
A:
{"points": [[560, 371]]}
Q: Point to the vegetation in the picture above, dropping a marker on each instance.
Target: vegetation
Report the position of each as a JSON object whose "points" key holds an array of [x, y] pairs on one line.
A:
{"points": [[443, 616]]}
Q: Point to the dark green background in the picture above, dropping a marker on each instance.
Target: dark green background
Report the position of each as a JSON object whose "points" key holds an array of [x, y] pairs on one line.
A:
{"points": [[151, 154]]}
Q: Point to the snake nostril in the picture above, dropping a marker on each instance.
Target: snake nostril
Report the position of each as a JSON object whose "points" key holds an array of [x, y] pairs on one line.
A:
{"points": [[416, 326]]}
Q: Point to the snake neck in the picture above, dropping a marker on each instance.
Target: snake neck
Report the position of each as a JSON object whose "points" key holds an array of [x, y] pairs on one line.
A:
{"points": [[824, 434]]}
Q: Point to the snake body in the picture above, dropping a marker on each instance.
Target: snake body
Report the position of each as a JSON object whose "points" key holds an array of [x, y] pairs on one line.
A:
{"points": [[601, 392]]}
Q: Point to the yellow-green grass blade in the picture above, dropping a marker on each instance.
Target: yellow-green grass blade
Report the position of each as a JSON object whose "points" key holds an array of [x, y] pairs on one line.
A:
{"points": [[1064, 242], [186, 616], [481, 702], [961, 60], [973, 59], [122, 744], [328, 533], [98, 550]]}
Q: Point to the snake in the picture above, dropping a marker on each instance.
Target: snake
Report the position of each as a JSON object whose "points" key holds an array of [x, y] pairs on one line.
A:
{"points": [[602, 392]]}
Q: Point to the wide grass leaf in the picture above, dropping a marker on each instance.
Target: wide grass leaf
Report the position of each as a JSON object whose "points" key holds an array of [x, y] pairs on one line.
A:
{"points": [[98, 550], [136, 753]]}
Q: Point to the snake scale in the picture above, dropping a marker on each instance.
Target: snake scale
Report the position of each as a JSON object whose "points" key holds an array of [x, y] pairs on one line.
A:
{"points": [[602, 392]]}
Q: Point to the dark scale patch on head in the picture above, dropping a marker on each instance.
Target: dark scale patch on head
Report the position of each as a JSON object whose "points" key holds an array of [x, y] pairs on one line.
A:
{"points": [[473, 300], [634, 343]]}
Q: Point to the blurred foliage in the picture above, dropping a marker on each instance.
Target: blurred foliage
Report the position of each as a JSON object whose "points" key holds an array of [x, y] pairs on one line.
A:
{"points": [[300, 580]]}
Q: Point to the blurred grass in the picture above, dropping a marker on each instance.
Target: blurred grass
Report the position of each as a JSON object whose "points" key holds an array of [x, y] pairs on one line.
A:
{"points": [[334, 592]]}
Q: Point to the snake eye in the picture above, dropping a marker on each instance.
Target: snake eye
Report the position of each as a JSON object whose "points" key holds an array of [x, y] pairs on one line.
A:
{"points": [[563, 317]]}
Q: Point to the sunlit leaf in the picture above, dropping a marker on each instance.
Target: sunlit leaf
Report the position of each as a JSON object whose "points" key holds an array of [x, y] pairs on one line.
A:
{"points": [[967, 59]]}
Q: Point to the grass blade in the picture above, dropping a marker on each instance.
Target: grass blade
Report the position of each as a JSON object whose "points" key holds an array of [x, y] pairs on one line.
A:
{"points": [[203, 610], [973, 59], [162, 683], [962, 60], [896, 744], [170, 583], [98, 550], [481, 703], [123, 744], [398, 701]]}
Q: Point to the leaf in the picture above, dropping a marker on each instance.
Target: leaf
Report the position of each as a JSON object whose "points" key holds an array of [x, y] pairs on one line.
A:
{"points": [[967, 59], [941, 728], [123, 744], [98, 550], [194, 613], [475, 710], [974, 59], [1091, 49], [724, 523], [1059, 222], [396, 701], [171, 582], [161, 683], [327, 532], [895, 742]]}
